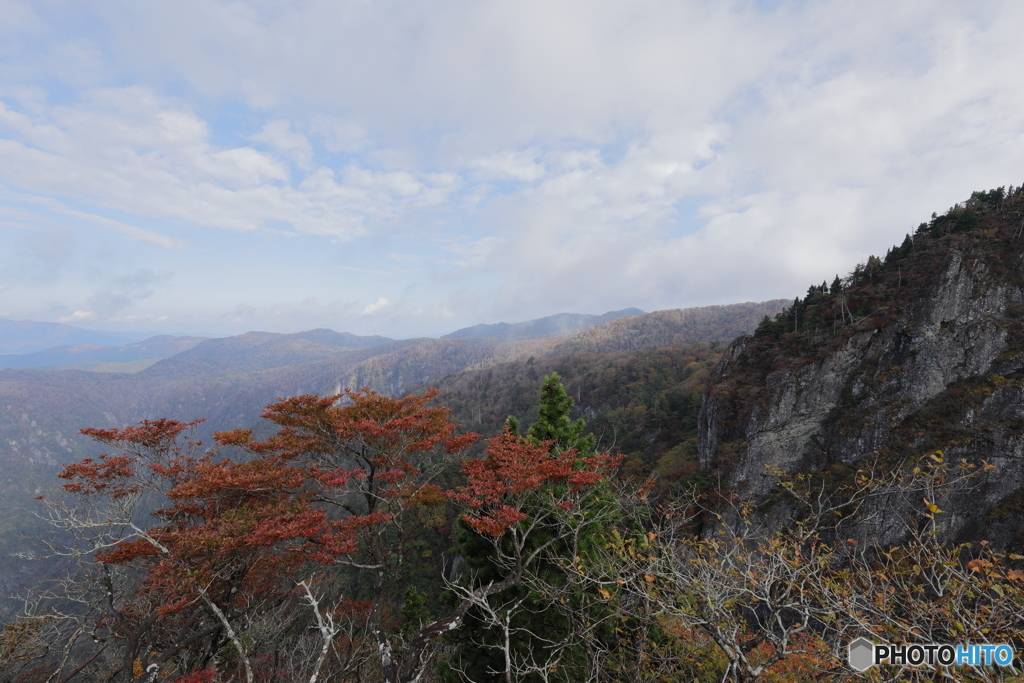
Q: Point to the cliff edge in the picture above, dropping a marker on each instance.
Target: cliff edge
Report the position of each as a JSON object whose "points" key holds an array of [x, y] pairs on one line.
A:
{"points": [[916, 353]]}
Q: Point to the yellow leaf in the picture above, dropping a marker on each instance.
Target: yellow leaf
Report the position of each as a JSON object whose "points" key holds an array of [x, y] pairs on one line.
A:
{"points": [[932, 507], [604, 594], [648, 578]]}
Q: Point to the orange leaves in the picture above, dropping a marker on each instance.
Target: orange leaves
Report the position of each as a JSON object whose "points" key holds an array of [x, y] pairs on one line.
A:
{"points": [[429, 495], [106, 476], [234, 536], [979, 565], [496, 522], [515, 466], [335, 478], [235, 437], [245, 528], [373, 444], [387, 426], [159, 434]]}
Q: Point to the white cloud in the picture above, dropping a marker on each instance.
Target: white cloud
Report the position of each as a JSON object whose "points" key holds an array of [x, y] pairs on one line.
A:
{"points": [[126, 290], [511, 165], [132, 232], [78, 317], [131, 150], [289, 314], [294, 146], [378, 305]]}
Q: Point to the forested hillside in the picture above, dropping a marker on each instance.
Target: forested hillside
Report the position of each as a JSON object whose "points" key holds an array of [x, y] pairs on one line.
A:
{"points": [[643, 404]]}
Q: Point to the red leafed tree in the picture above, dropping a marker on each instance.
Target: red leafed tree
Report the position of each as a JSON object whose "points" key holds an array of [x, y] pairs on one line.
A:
{"points": [[195, 566], [226, 545], [373, 458], [514, 470]]}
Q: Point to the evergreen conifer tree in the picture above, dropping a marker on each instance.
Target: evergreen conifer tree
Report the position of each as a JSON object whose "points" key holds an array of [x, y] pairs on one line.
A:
{"points": [[837, 286], [478, 653], [907, 246], [553, 420]]}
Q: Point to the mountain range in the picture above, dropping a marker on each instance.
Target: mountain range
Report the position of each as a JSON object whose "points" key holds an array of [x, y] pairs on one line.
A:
{"points": [[55, 346], [103, 358], [228, 382], [29, 336]]}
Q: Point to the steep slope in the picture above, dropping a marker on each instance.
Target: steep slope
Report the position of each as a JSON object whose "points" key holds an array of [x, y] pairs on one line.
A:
{"points": [[641, 403], [919, 352]]}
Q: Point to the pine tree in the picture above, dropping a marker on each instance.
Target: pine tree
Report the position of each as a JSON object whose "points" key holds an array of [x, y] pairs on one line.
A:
{"points": [[553, 420], [477, 654], [907, 246], [837, 286]]}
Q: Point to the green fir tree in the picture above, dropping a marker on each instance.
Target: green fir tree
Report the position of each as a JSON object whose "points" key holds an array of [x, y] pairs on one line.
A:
{"points": [[478, 655]]}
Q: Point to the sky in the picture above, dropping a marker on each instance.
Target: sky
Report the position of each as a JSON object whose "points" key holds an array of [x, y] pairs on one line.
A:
{"points": [[408, 168]]}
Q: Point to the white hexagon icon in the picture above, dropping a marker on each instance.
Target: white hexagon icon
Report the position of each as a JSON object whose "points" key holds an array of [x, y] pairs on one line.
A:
{"points": [[862, 654]]}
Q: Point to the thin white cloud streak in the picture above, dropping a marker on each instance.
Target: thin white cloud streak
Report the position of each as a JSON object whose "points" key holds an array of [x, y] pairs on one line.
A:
{"points": [[132, 232]]}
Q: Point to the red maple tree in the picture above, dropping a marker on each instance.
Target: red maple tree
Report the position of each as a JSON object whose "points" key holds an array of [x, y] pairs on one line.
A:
{"points": [[194, 585]]}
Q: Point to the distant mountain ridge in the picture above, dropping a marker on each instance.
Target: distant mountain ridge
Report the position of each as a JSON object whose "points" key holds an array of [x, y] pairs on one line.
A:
{"points": [[558, 325], [248, 352], [671, 327], [30, 336], [230, 380], [256, 351], [89, 356]]}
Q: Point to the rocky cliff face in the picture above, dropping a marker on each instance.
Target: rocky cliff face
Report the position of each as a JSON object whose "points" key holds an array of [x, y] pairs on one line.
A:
{"points": [[932, 360]]}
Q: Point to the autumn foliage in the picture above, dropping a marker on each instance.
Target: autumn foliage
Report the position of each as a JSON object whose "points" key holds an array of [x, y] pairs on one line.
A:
{"points": [[513, 467], [192, 552]]}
